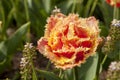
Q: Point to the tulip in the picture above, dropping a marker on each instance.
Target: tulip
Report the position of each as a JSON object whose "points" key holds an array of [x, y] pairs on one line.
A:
{"points": [[114, 2], [69, 40]]}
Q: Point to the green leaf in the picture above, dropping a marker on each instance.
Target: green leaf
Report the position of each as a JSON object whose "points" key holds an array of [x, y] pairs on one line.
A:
{"points": [[87, 71], [2, 18], [106, 11], [48, 75], [87, 7], [17, 37], [65, 6], [104, 30], [70, 74], [34, 76], [47, 5], [8, 47], [2, 62]]}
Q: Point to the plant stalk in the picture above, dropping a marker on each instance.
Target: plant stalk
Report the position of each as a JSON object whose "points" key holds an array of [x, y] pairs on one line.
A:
{"points": [[103, 61], [93, 7], [74, 5], [116, 13]]}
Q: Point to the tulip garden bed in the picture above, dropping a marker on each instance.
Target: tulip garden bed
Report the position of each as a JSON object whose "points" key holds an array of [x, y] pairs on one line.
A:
{"points": [[59, 40]]}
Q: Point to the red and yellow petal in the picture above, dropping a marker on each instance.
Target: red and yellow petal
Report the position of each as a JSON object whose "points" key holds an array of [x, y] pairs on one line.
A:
{"points": [[114, 2], [69, 40]]}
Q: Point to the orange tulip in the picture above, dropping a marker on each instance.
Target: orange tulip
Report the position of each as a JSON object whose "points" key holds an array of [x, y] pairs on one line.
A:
{"points": [[69, 40], [114, 2]]}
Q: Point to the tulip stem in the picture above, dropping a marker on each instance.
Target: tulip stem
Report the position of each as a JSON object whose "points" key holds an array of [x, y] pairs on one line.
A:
{"points": [[103, 61], [74, 75], [61, 73], [116, 13]]}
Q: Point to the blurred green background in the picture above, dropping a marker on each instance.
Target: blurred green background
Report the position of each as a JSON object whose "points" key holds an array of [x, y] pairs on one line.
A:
{"points": [[24, 20]]}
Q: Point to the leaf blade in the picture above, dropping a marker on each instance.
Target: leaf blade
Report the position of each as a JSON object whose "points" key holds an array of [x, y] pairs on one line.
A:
{"points": [[8, 47], [87, 71], [48, 75]]}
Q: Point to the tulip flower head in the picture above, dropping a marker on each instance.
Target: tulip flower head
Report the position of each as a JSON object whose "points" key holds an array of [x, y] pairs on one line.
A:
{"points": [[114, 2], [69, 40]]}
